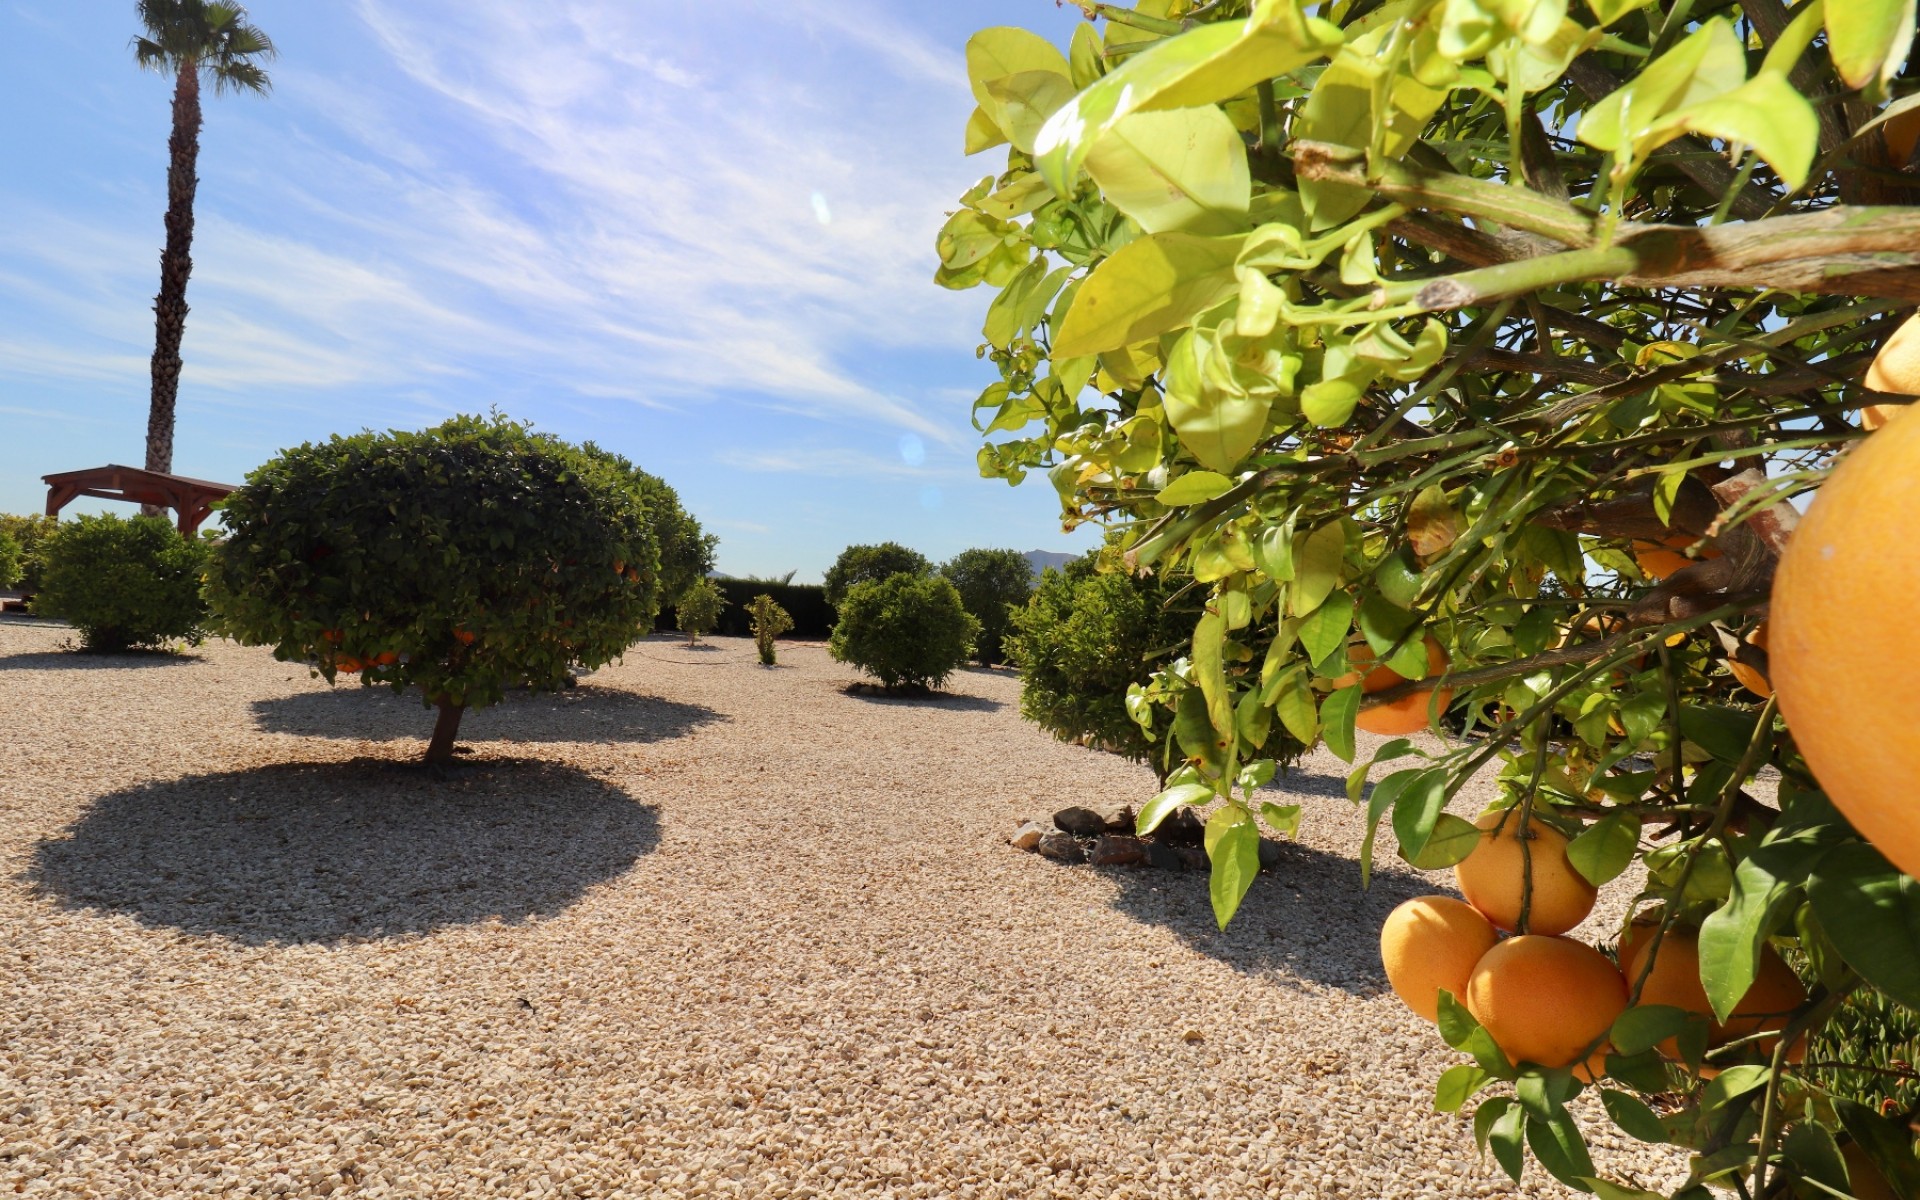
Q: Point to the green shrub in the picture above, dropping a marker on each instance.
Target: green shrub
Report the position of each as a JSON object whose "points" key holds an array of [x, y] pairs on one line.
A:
{"points": [[462, 561], [686, 552], [909, 631], [769, 622], [699, 609], [11, 568], [991, 583], [806, 603], [31, 532], [1081, 641], [871, 564], [124, 582]]}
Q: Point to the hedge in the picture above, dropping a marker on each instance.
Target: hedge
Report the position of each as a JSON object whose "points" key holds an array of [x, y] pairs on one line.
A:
{"points": [[806, 603]]}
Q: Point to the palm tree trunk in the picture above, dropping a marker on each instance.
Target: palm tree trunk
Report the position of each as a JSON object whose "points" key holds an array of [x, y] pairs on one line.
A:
{"points": [[176, 264]]}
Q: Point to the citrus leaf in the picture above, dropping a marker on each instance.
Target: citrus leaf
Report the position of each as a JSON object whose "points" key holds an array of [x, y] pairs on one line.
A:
{"points": [[1633, 1116], [1007, 50], [1316, 567], [1452, 839], [1418, 807], [1872, 913], [1605, 849], [1184, 169], [1557, 1143], [1233, 846], [1457, 1086], [1325, 630], [1157, 809], [1150, 286], [1336, 721], [1195, 487], [1869, 39], [1645, 1026]]}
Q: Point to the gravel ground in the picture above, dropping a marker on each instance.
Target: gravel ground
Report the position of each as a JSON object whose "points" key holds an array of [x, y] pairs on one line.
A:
{"points": [[694, 928]]}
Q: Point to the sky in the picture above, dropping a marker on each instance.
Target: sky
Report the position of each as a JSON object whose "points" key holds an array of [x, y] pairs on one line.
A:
{"points": [[698, 234]]}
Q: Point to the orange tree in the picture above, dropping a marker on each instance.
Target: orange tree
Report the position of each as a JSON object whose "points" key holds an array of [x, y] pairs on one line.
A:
{"points": [[461, 561], [1490, 339]]}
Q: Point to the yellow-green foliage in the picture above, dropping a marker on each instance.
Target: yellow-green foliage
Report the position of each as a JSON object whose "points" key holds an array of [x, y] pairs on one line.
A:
{"points": [[769, 622]]}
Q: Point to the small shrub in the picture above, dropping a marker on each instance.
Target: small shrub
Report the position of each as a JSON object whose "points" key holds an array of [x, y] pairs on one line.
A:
{"points": [[699, 609], [1081, 641], [32, 532], [11, 568], [991, 583], [871, 564], [908, 631], [769, 622], [124, 583]]}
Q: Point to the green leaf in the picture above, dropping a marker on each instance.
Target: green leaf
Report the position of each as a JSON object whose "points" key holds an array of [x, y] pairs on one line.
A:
{"points": [[1561, 1150], [1084, 55], [1219, 420], [1337, 714], [1605, 849], [1609, 11], [1459, 1030], [1488, 1115], [1195, 487], [1872, 913], [1273, 551], [1329, 403], [1006, 50], [1295, 707], [1887, 1142], [1633, 1116], [1233, 846], [1157, 809], [1721, 731], [1706, 63], [1732, 935], [1418, 807], [1317, 562], [1612, 1191], [1766, 113], [983, 132], [1197, 68], [1340, 110], [1457, 1085], [1209, 671], [1869, 39], [1504, 1138], [1021, 103], [1183, 169], [1666, 489], [1150, 286], [1645, 1026], [1452, 839], [1325, 630], [1283, 819]]}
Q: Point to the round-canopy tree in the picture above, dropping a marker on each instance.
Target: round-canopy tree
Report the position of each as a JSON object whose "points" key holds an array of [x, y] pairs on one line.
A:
{"points": [[871, 564], [464, 560], [686, 550], [991, 583], [1488, 340]]}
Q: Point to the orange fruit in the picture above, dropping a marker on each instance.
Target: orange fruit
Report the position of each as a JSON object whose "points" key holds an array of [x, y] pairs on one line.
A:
{"points": [[1901, 133], [1865, 1179], [1854, 565], [1895, 369], [1675, 979], [1408, 714], [1750, 678], [1491, 877], [347, 665], [1662, 558], [464, 636], [1546, 1000], [1429, 944]]}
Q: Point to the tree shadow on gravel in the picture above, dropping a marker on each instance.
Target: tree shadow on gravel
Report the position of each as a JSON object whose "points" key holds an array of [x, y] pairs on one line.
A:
{"points": [[85, 660], [319, 853], [578, 714], [873, 693], [1306, 918]]}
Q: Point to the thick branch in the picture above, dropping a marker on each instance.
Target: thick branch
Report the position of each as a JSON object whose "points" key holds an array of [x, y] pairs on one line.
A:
{"points": [[1409, 183]]}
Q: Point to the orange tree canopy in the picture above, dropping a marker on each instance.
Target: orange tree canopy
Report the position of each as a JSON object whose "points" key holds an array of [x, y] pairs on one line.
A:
{"points": [[191, 499]]}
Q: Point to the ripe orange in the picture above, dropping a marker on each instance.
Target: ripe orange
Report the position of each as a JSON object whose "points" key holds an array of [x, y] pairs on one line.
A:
{"points": [[1546, 1000], [1865, 1179], [1491, 878], [464, 636], [1662, 558], [1431, 943], [1675, 979], [1895, 369], [1750, 678], [1408, 714], [1854, 565]]}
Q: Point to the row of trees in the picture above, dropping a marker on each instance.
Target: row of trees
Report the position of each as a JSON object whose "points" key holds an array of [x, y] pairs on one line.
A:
{"points": [[1491, 342]]}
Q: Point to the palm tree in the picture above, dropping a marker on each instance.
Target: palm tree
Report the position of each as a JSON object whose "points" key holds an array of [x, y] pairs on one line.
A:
{"points": [[186, 39]]}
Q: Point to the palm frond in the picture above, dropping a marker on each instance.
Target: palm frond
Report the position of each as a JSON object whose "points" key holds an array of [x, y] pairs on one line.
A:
{"points": [[151, 56], [238, 77]]}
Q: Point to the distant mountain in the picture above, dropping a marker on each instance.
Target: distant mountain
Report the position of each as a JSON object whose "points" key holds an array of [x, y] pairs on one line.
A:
{"points": [[1040, 560]]}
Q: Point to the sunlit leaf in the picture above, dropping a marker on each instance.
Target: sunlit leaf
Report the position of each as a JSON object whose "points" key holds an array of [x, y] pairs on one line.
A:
{"points": [[1148, 287], [1233, 847], [1183, 169]]}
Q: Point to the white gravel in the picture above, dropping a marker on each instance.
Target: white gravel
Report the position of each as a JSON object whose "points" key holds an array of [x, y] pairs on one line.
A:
{"points": [[696, 928]]}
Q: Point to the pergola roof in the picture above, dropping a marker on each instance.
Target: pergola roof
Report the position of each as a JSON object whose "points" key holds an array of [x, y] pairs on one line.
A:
{"points": [[191, 499]]}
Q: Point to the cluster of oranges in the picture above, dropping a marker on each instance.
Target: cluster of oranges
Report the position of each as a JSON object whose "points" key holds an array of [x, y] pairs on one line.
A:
{"points": [[1543, 997]]}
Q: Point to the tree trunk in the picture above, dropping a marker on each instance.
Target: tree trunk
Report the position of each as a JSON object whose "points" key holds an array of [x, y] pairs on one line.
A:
{"points": [[176, 264], [445, 730]]}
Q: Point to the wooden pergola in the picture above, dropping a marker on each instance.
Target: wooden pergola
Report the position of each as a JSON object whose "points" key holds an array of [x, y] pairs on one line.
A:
{"points": [[191, 499]]}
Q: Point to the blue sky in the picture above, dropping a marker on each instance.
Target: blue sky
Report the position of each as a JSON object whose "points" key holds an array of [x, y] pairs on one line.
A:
{"points": [[700, 234]]}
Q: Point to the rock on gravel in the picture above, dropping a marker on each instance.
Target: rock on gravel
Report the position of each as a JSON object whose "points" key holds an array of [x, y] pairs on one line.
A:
{"points": [[695, 928], [1080, 821]]}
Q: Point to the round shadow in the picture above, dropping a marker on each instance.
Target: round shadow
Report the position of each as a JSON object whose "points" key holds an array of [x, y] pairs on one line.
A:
{"points": [[873, 693], [323, 852], [96, 660], [578, 714]]}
